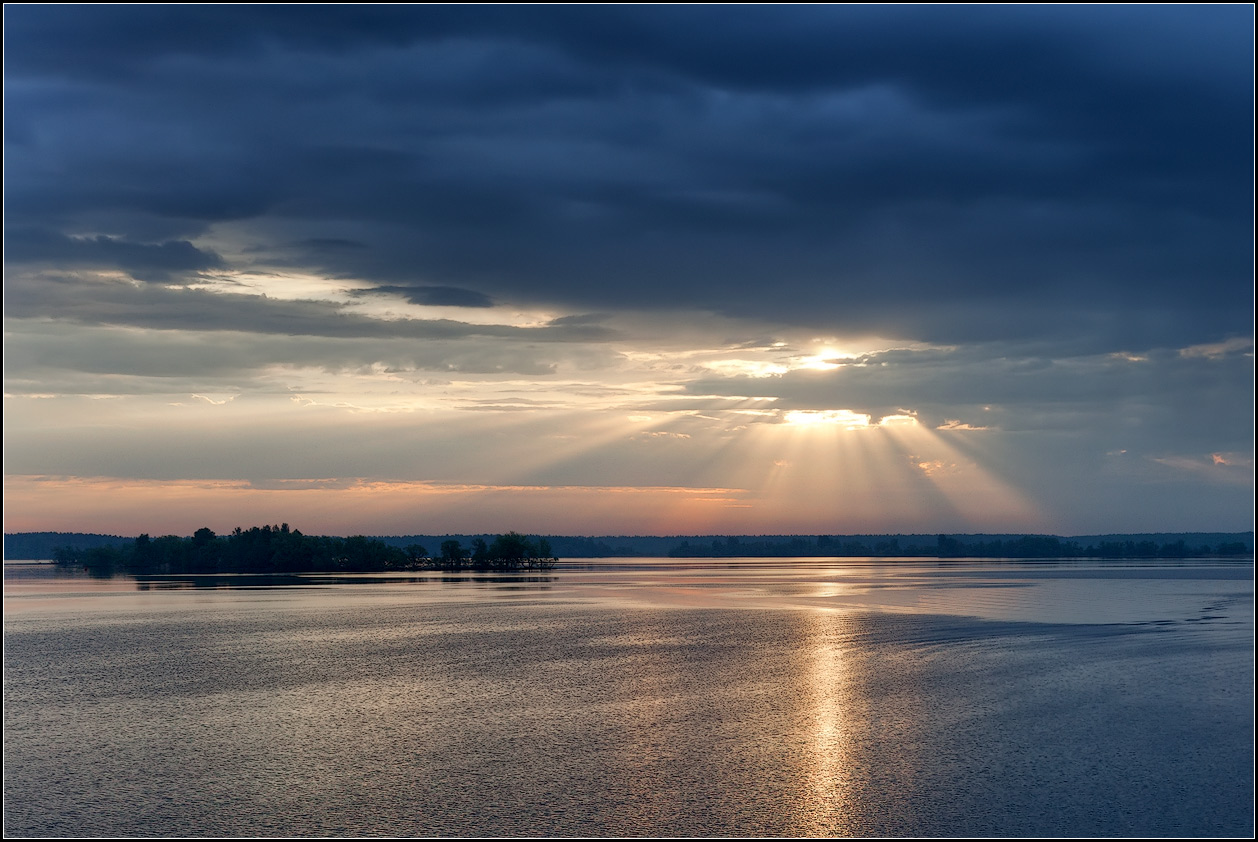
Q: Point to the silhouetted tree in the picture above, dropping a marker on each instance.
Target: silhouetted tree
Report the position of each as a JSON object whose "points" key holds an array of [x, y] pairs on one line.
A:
{"points": [[511, 549], [452, 554]]}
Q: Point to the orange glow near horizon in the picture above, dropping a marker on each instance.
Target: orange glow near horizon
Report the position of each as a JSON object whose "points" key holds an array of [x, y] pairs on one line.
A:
{"points": [[117, 506]]}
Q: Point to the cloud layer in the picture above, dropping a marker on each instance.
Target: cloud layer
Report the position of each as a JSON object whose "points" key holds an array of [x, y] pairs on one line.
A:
{"points": [[1024, 223]]}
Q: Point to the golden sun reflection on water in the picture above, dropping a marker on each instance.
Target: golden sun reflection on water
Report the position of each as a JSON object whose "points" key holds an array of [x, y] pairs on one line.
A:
{"points": [[827, 808]]}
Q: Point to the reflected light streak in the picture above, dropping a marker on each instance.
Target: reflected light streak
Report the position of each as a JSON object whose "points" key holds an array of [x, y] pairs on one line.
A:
{"points": [[828, 807]]}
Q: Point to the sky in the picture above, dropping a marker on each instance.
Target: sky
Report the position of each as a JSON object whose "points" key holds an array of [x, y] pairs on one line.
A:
{"points": [[618, 270]]}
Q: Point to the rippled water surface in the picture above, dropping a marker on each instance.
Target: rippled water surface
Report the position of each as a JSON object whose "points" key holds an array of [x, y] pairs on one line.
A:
{"points": [[636, 698]]}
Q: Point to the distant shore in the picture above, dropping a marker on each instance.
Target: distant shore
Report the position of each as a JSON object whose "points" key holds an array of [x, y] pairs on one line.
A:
{"points": [[43, 545]]}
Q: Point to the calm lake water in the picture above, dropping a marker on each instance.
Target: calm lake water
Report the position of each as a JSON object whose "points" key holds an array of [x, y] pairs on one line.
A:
{"points": [[802, 697]]}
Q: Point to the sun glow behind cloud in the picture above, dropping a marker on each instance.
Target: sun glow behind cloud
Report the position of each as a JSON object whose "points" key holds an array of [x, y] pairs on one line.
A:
{"points": [[561, 453], [410, 430], [506, 440], [842, 465], [845, 419], [507, 427]]}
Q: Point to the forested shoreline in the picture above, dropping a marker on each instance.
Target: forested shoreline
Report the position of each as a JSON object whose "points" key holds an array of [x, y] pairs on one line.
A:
{"points": [[278, 549]]}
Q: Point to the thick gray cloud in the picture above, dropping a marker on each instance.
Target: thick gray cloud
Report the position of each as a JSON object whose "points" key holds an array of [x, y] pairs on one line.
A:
{"points": [[142, 261], [944, 173]]}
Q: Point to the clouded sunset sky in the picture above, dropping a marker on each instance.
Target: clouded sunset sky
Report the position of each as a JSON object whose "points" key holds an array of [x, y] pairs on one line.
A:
{"points": [[629, 269]]}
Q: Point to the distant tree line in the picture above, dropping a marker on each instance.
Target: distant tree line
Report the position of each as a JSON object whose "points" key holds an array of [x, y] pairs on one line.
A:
{"points": [[945, 546], [41, 545], [277, 549]]}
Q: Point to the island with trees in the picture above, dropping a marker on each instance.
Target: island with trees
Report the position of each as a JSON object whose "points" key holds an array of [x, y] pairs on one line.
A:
{"points": [[278, 549]]}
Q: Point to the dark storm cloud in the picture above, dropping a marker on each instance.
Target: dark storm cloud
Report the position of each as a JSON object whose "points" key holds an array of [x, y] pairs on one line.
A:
{"points": [[329, 244], [942, 173], [142, 261]]}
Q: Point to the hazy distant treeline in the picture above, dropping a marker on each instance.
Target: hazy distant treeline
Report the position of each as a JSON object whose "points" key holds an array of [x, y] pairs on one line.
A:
{"points": [[277, 549], [946, 546], [42, 544]]}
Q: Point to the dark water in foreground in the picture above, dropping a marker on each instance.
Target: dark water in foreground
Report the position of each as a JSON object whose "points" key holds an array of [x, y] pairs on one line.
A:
{"points": [[640, 698]]}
